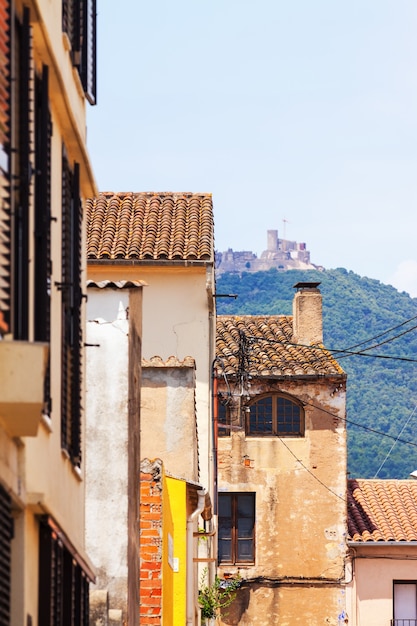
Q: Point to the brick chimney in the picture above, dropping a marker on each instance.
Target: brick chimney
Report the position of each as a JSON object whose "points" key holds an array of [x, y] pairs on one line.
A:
{"points": [[307, 314]]}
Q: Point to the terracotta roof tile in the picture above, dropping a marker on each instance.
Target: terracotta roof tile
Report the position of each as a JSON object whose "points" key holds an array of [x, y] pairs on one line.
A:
{"points": [[270, 348], [172, 361], [156, 226], [382, 510]]}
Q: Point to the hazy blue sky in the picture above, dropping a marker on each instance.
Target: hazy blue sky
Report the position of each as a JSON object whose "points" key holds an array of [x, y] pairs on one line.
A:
{"points": [[304, 110]]}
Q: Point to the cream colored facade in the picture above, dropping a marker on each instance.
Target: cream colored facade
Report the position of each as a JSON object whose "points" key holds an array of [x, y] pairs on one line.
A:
{"points": [[42, 470], [295, 573], [178, 321], [374, 570]]}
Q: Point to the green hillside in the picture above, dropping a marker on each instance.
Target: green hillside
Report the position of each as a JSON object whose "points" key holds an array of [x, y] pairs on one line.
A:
{"points": [[382, 392]]}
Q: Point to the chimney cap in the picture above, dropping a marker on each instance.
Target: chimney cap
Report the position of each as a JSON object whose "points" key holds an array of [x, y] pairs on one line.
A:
{"points": [[306, 285]]}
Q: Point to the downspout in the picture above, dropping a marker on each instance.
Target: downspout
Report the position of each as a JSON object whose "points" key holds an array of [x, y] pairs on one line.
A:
{"points": [[190, 587]]}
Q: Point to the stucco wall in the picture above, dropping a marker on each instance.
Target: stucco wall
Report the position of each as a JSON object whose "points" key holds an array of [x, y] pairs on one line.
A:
{"points": [[300, 485], [176, 322], [107, 441], [370, 592], [168, 423]]}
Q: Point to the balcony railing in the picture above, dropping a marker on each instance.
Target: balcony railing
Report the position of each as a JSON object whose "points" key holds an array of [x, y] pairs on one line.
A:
{"points": [[404, 622]]}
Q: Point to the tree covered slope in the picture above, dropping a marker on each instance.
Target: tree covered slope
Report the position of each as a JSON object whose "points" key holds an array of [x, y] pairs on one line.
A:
{"points": [[382, 388]]}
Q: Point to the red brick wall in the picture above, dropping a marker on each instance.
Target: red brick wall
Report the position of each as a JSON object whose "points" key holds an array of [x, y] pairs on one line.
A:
{"points": [[150, 587]]}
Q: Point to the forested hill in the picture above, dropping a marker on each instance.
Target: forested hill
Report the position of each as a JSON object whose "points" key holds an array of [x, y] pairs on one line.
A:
{"points": [[382, 392]]}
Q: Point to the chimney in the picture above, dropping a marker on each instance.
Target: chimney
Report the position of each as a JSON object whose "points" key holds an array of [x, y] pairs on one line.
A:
{"points": [[307, 314]]}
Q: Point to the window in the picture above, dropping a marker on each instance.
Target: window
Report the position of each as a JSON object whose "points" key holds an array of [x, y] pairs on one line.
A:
{"points": [[275, 415], [236, 528], [5, 211], [405, 603], [63, 584], [6, 533], [21, 145], [42, 251], [71, 312], [223, 417], [79, 23]]}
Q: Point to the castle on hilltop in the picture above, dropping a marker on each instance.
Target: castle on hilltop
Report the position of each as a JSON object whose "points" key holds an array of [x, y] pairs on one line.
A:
{"points": [[280, 254]]}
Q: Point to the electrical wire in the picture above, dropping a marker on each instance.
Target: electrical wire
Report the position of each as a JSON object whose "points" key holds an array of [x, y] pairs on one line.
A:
{"points": [[393, 445], [381, 334], [367, 428], [335, 351], [376, 345], [310, 472]]}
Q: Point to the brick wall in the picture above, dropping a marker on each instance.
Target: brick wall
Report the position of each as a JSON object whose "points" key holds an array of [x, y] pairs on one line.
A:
{"points": [[150, 590]]}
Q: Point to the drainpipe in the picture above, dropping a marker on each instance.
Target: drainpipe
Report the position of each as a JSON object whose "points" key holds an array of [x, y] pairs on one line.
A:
{"points": [[190, 587]]}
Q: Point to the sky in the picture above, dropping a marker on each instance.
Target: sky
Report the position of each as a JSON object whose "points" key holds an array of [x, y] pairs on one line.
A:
{"points": [[298, 116]]}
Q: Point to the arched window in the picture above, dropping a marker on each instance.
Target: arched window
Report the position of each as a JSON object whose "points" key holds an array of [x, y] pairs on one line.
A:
{"points": [[275, 415]]}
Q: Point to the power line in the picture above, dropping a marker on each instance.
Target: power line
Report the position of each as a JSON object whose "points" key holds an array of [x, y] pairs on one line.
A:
{"points": [[381, 334], [393, 445], [376, 345], [368, 428], [334, 351], [310, 472]]}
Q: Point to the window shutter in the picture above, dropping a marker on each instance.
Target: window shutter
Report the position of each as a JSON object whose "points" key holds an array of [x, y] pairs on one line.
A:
{"points": [[6, 532], [76, 320], [79, 22], [22, 180], [63, 585], [71, 312], [5, 212], [89, 51], [43, 263]]}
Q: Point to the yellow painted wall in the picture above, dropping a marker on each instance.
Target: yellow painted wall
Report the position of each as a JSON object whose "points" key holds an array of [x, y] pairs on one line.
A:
{"points": [[174, 525]]}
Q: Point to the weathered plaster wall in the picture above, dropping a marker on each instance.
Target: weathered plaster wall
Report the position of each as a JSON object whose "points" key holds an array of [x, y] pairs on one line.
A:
{"points": [[176, 322], [107, 441], [300, 485], [168, 422], [370, 593]]}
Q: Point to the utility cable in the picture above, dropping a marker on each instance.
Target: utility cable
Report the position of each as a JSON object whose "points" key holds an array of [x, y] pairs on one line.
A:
{"points": [[367, 428], [310, 472], [376, 345], [381, 334], [333, 351], [393, 445]]}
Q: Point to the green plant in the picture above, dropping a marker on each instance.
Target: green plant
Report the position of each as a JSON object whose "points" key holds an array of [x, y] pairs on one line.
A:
{"points": [[220, 594]]}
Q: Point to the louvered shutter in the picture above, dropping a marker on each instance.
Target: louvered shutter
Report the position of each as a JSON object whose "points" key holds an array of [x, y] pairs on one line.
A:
{"points": [[6, 528]]}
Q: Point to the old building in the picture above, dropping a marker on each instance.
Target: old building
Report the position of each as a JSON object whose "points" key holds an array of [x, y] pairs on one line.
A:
{"points": [[280, 254], [165, 243], [281, 466], [382, 582], [47, 75]]}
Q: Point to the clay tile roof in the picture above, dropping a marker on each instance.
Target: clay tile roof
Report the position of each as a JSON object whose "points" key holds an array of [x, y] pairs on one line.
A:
{"points": [[269, 347], [172, 361], [382, 510], [154, 226]]}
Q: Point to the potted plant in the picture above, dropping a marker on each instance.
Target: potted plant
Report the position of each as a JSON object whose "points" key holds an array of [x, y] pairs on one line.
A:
{"points": [[216, 596]]}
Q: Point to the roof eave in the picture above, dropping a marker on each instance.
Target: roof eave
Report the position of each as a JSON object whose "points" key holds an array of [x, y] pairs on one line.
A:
{"points": [[153, 262]]}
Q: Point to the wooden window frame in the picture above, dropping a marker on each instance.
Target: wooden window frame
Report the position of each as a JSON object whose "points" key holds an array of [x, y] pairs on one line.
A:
{"points": [[285, 419], [232, 527]]}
